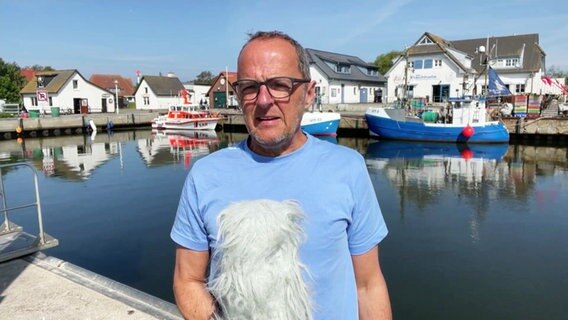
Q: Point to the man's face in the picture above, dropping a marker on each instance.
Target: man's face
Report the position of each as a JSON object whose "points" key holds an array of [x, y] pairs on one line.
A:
{"points": [[273, 123]]}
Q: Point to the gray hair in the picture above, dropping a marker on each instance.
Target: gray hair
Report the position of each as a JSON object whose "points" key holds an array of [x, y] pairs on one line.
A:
{"points": [[303, 63]]}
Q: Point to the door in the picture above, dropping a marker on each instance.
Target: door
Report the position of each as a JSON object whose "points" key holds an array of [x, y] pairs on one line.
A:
{"points": [[104, 104], [363, 95], [440, 93], [219, 99], [77, 105]]}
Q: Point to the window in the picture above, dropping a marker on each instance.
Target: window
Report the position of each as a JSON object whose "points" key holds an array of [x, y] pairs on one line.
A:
{"points": [[50, 101], [34, 101], [343, 68], [354, 90], [146, 90], [507, 63], [417, 64], [75, 84], [333, 92], [411, 64], [146, 101], [438, 63], [519, 88], [425, 41], [428, 64]]}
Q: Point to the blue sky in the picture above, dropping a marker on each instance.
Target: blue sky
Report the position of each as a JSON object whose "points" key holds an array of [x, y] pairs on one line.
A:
{"points": [[188, 37]]}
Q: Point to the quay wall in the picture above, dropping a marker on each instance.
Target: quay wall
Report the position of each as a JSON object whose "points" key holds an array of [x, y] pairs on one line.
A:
{"points": [[352, 124]]}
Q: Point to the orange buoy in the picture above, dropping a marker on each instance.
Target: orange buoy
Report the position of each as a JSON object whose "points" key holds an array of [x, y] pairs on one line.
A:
{"points": [[19, 130], [468, 131], [20, 140]]}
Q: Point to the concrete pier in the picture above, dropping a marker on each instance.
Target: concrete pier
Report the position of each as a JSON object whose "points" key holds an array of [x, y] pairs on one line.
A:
{"points": [[43, 287]]}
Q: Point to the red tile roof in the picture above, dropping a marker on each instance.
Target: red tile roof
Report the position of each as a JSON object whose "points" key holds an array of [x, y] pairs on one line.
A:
{"points": [[29, 73], [106, 81]]}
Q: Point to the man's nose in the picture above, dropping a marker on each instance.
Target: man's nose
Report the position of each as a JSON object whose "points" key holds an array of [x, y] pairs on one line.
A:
{"points": [[264, 98]]}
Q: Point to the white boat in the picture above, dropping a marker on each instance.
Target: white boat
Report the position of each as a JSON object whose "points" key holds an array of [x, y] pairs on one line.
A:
{"points": [[563, 109], [321, 123], [186, 117]]}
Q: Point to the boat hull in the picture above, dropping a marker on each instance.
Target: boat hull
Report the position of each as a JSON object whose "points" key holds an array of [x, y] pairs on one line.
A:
{"points": [[181, 124], [387, 128], [323, 124]]}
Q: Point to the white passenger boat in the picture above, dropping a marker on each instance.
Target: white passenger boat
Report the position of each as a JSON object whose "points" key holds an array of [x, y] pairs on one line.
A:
{"points": [[186, 117]]}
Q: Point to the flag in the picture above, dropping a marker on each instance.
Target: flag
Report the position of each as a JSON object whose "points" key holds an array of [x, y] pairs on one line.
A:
{"points": [[496, 87], [546, 79]]}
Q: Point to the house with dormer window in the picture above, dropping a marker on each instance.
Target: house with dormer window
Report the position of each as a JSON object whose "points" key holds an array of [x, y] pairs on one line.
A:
{"points": [[68, 90], [344, 79], [435, 69]]}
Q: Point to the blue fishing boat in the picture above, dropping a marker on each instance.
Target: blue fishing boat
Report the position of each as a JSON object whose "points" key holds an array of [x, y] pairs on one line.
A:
{"points": [[462, 119], [321, 123]]}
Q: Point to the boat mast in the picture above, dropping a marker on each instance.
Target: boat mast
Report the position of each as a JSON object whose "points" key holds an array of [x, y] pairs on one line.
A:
{"points": [[405, 94]]}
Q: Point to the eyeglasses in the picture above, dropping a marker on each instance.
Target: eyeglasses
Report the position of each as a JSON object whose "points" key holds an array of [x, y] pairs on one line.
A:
{"points": [[279, 87]]}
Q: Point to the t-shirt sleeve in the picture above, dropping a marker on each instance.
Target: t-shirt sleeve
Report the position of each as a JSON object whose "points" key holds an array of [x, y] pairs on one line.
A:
{"points": [[188, 229], [367, 226]]}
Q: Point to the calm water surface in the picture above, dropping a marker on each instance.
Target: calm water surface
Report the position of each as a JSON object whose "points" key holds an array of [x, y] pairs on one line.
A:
{"points": [[475, 233]]}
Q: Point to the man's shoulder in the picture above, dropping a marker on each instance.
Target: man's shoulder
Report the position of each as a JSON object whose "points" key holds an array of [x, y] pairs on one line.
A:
{"points": [[335, 150]]}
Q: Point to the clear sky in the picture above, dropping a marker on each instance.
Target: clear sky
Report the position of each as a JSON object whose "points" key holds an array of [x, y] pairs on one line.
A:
{"points": [[187, 37]]}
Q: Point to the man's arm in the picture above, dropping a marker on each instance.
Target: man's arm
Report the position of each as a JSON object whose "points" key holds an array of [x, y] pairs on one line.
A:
{"points": [[192, 297], [372, 292]]}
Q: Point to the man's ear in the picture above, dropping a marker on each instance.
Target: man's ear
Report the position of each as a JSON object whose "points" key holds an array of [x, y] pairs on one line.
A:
{"points": [[310, 94]]}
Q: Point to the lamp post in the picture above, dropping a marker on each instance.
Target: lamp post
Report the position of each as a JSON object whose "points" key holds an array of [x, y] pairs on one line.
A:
{"points": [[116, 95]]}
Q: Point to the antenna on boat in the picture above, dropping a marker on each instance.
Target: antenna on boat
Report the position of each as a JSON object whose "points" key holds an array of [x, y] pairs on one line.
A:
{"points": [[406, 66]]}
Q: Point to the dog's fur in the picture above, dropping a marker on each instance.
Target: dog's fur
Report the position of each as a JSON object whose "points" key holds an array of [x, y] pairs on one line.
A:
{"points": [[259, 273]]}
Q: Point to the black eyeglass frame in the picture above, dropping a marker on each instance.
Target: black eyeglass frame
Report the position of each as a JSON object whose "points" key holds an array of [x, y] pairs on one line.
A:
{"points": [[295, 82]]}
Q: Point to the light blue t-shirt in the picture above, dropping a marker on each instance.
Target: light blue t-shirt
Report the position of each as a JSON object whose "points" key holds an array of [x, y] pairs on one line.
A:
{"points": [[332, 185]]}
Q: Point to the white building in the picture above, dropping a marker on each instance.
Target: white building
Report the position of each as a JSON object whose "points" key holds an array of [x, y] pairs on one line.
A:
{"points": [[344, 79], [435, 69], [68, 90], [198, 92], [159, 93]]}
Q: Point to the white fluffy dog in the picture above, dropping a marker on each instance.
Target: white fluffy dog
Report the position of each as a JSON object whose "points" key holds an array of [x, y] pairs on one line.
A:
{"points": [[259, 273]]}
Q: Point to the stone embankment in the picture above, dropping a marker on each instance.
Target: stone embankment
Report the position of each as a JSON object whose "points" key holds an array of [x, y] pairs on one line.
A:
{"points": [[352, 123]]}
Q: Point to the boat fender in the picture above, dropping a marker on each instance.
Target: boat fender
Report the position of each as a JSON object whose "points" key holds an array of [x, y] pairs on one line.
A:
{"points": [[19, 130], [468, 131], [92, 125]]}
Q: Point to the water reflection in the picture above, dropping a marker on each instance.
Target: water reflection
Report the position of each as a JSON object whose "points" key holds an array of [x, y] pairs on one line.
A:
{"points": [[78, 157], [424, 173], [177, 146]]}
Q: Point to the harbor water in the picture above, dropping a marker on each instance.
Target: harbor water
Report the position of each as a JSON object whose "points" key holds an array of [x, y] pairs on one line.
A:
{"points": [[476, 232]]}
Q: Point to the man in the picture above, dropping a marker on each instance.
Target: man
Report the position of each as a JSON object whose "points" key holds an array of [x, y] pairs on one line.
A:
{"points": [[278, 161]]}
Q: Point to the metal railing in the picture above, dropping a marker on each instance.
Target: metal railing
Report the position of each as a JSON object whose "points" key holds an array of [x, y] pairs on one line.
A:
{"points": [[14, 242]]}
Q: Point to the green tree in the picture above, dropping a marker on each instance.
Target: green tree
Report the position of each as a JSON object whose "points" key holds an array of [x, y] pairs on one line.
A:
{"points": [[11, 82], [205, 77], [555, 72], [37, 67], [385, 61]]}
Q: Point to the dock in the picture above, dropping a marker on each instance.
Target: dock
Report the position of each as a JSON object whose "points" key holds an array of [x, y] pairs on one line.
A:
{"points": [[36, 286], [44, 287]]}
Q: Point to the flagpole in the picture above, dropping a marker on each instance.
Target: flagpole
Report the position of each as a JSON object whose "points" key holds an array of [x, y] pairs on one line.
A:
{"points": [[227, 86], [486, 69]]}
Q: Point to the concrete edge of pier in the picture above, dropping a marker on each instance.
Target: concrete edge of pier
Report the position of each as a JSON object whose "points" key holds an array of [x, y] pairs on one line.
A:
{"points": [[45, 287]]}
